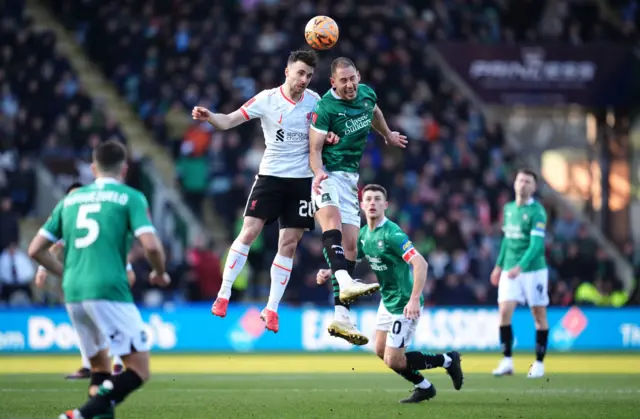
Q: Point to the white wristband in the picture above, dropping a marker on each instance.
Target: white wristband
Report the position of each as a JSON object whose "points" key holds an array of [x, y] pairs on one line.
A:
{"points": [[42, 269]]}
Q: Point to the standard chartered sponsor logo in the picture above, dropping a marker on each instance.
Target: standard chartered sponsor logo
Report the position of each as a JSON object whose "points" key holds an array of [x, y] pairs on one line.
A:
{"points": [[353, 125], [297, 136]]}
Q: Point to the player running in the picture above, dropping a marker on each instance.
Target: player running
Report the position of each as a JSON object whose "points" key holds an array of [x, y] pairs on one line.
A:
{"points": [[349, 109], [393, 258], [96, 222], [283, 184], [521, 271], [40, 280]]}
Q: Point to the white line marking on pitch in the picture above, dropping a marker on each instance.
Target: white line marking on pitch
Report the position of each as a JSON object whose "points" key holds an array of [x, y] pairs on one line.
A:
{"points": [[344, 390]]}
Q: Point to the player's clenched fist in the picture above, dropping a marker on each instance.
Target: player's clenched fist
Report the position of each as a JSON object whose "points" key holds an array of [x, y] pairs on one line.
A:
{"points": [[41, 277], [332, 138], [495, 276], [159, 280], [323, 276], [200, 114], [412, 309]]}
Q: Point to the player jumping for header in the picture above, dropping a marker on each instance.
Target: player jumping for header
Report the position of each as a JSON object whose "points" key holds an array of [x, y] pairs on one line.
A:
{"points": [[283, 184], [96, 222], [393, 258], [349, 109], [521, 271]]}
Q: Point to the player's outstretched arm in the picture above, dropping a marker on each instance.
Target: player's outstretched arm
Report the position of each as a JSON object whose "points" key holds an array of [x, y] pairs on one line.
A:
{"points": [[420, 268], [131, 275], [50, 233], [153, 251], [39, 251], [393, 138], [316, 143], [218, 120], [497, 270], [41, 273]]}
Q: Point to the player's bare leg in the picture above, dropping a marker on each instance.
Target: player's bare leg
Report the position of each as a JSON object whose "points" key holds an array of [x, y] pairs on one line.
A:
{"points": [[330, 221], [100, 370], [115, 390], [542, 336], [506, 309], [236, 258], [280, 274]]}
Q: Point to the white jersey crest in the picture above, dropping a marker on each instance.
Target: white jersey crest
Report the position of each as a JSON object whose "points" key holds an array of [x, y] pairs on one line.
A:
{"points": [[285, 125]]}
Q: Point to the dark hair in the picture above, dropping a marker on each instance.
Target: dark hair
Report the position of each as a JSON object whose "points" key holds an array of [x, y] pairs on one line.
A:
{"points": [[374, 188], [307, 56], [74, 185], [109, 155], [528, 172], [341, 62]]}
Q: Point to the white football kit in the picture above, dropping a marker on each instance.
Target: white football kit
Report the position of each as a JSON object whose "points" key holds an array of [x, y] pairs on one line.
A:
{"points": [[282, 189]]}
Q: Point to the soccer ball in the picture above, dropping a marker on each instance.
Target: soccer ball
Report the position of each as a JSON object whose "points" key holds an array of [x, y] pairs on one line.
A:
{"points": [[321, 32]]}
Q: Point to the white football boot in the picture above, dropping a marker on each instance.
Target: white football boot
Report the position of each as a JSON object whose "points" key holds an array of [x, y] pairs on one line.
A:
{"points": [[536, 370], [504, 368]]}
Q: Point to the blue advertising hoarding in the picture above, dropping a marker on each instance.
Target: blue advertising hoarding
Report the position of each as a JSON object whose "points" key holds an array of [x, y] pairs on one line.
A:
{"points": [[192, 328]]}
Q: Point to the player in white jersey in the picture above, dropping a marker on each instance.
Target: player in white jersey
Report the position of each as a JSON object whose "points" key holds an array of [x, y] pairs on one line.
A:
{"points": [[282, 189]]}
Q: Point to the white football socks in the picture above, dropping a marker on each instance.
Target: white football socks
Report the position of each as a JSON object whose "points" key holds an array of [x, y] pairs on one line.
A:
{"points": [[447, 361], [280, 274], [236, 259], [343, 278], [424, 384], [342, 313]]}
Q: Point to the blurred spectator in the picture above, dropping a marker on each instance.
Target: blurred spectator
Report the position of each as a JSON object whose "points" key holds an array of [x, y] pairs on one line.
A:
{"points": [[9, 223], [206, 272], [447, 189], [23, 186], [16, 274]]}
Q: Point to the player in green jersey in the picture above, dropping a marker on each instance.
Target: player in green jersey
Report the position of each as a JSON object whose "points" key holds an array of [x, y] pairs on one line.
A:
{"points": [[349, 110], [521, 273], [402, 273], [40, 280], [95, 223]]}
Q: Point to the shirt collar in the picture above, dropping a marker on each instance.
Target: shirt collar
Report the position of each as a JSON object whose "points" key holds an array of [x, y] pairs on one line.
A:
{"points": [[105, 180], [382, 222]]}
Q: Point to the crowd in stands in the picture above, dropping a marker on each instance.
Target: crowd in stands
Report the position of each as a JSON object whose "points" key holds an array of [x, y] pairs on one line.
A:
{"points": [[446, 189]]}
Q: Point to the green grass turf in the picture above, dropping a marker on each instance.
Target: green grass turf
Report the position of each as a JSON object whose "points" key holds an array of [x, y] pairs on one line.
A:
{"points": [[370, 395], [293, 386]]}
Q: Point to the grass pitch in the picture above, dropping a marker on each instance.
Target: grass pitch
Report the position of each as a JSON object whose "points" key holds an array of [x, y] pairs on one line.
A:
{"points": [[333, 386]]}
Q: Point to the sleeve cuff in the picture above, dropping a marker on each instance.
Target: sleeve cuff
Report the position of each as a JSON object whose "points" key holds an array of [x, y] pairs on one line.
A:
{"points": [[44, 233], [146, 229], [319, 130]]}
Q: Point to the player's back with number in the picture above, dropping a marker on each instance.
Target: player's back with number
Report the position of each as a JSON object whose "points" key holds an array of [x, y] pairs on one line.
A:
{"points": [[96, 221]]}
